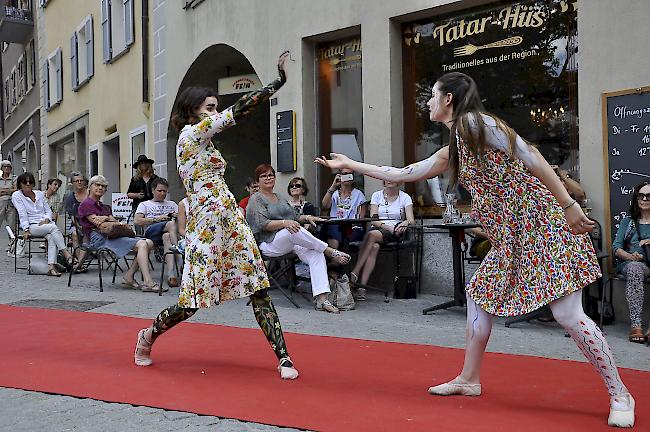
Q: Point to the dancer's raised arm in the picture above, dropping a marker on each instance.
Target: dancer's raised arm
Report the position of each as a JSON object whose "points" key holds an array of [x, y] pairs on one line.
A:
{"points": [[433, 166]]}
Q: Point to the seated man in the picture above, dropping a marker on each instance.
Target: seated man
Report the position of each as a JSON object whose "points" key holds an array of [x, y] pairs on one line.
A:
{"points": [[157, 216]]}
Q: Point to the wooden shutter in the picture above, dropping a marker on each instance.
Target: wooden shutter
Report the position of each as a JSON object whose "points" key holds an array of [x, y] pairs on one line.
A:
{"points": [[106, 31], [74, 61], [46, 84], [90, 48], [129, 24], [59, 75]]}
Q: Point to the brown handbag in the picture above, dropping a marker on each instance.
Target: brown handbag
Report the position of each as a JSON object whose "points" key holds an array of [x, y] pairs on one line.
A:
{"points": [[115, 229]]}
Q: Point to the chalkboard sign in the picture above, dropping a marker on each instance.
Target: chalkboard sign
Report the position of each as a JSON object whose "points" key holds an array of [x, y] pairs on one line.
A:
{"points": [[286, 141], [626, 135]]}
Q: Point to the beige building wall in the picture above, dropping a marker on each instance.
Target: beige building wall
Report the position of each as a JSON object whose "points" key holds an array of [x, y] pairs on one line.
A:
{"points": [[113, 96]]}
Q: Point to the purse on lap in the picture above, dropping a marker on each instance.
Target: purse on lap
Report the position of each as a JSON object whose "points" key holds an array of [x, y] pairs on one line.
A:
{"points": [[114, 229]]}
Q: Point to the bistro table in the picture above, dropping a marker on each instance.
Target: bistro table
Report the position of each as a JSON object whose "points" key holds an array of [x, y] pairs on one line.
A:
{"points": [[457, 234]]}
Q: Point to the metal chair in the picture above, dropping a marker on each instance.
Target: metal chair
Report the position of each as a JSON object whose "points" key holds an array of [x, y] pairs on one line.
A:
{"points": [[283, 269], [28, 252], [176, 253], [94, 257]]}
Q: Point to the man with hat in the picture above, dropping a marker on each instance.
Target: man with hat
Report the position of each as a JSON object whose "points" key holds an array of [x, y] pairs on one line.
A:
{"points": [[140, 186], [7, 187]]}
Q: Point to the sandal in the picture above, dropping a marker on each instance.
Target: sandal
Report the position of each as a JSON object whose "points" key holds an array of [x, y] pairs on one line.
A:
{"points": [[153, 288], [52, 272], [326, 306], [339, 257], [353, 278], [81, 269], [130, 284], [636, 335], [143, 350]]}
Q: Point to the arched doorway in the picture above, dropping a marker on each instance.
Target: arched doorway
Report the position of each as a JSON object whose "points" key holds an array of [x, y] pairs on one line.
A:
{"points": [[243, 147]]}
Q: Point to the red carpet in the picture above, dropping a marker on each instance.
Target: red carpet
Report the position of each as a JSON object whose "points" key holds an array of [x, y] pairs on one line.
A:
{"points": [[345, 384]]}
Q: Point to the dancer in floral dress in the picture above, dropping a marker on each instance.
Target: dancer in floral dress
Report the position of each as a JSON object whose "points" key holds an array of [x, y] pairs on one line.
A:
{"points": [[541, 253], [222, 261]]}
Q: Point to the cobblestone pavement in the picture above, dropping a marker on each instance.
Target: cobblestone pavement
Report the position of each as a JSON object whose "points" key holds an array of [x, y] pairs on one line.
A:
{"points": [[399, 321]]}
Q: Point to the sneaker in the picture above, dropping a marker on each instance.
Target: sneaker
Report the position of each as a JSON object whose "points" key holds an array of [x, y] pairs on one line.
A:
{"points": [[326, 306], [359, 294]]}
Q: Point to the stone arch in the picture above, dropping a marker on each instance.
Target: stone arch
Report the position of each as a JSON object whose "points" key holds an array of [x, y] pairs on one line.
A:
{"points": [[244, 146]]}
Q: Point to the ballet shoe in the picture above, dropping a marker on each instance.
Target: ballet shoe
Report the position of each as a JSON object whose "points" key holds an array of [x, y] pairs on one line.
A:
{"points": [[621, 411], [142, 350], [454, 387], [287, 372]]}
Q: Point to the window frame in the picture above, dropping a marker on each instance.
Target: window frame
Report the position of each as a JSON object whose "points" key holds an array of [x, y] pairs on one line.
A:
{"points": [[79, 79], [55, 57], [127, 28]]}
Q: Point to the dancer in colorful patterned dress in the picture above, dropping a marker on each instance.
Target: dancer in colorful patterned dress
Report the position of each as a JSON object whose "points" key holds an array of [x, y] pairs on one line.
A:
{"points": [[222, 261], [540, 253]]}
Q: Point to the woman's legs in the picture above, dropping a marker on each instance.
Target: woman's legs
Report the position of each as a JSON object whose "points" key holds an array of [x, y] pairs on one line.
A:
{"points": [[267, 319], [55, 241], [369, 266], [635, 272], [142, 248], [372, 237], [569, 314], [477, 335], [590, 340], [165, 320]]}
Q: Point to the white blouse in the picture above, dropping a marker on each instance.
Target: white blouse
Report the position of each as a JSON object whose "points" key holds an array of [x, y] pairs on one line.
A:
{"points": [[30, 212]]}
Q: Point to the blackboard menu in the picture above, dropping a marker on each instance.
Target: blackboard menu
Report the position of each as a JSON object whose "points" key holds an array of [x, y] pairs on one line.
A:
{"points": [[627, 124], [286, 141]]}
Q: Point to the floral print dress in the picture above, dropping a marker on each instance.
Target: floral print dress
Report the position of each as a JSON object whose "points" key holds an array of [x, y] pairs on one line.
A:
{"points": [[222, 261], [535, 258]]}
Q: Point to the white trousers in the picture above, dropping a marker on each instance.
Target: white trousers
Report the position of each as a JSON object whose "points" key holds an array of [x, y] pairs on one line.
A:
{"points": [[55, 241], [310, 251]]}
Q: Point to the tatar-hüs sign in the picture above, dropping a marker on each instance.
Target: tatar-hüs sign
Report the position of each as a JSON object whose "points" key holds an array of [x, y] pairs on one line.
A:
{"points": [[239, 84]]}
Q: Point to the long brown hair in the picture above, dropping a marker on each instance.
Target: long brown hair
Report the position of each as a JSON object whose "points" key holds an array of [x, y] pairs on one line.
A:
{"points": [[466, 101], [635, 210], [188, 102]]}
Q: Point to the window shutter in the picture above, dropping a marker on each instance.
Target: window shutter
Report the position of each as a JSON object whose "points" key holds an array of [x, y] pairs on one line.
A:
{"points": [[46, 84], [24, 62], [129, 24], [90, 48], [33, 54], [106, 30], [59, 75], [74, 61]]}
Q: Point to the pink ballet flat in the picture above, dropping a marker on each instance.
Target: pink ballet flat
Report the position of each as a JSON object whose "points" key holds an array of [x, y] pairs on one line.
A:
{"points": [[621, 411], [287, 372], [456, 388], [142, 350]]}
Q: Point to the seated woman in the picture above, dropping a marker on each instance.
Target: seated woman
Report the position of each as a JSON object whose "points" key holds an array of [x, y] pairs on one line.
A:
{"points": [[394, 210], [344, 201], [632, 235], [36, 219], [92, 213], [297, 190], [278, 231]]}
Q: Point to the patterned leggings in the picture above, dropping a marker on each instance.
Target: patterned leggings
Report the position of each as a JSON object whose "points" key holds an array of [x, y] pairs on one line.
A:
{"points": [[635, 272], [265, 314]]}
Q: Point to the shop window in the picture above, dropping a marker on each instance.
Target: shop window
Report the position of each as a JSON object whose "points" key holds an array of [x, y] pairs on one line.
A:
{"points": [[340, 110], [523, 57], [118, 27], [53, 79], [81, 53]]}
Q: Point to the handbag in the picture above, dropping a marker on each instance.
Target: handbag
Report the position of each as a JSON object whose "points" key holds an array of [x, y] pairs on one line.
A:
{"points": [[115, 229], [340, 294], [644, 248]]}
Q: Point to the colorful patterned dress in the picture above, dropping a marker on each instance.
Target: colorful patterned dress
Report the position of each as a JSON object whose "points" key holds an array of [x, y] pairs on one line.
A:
{"points": [[222, 261], [535, 258]]}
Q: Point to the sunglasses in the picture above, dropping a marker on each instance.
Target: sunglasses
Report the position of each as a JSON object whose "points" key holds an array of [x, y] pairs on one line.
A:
{"points": [[28, 182], [295, 186], [643, 196]]}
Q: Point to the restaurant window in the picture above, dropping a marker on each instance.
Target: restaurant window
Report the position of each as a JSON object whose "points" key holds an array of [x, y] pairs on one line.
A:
{"points": [[523, 57], [340, 111]]}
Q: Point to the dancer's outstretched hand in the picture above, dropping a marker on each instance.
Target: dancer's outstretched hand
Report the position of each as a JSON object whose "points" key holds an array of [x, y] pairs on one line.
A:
{"points": [[282, 63], [337, 161], [577, 220]]}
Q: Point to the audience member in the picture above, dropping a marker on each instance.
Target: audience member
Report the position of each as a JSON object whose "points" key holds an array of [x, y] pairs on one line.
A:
{"points": [[53, 198], [344, 201], [181, 222], [92, 213], [573, 187], [394, 209], [140, 186], [157, 217], [35, 218], [278, 232], [7, 187], [71, 202], [251, 188], [297, 190], [631, 247]]}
